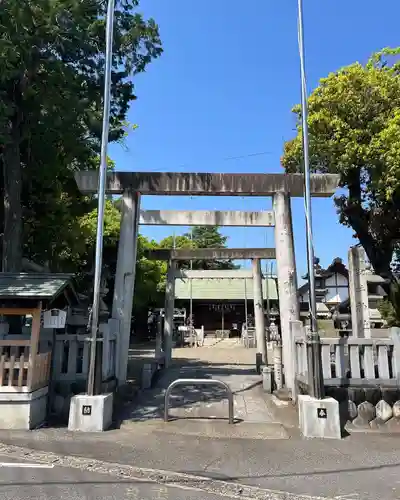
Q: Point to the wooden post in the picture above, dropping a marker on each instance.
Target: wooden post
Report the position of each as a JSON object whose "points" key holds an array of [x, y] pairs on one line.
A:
{"points": [[11, 364], [21, 370], [34, 346]]}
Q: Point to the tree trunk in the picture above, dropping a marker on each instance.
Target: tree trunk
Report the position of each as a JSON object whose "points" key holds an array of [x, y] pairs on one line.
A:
{"points": [[379, 254], [12, 179], [1, 206]]}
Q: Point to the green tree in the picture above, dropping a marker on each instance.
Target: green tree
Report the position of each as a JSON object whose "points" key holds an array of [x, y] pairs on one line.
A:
{"points": [[209, 237], [180, 241], [176, 242], [52, 60], [83, 258], [200, 237], [388, 313], [354, 131], [150, 275], [150, 278]]}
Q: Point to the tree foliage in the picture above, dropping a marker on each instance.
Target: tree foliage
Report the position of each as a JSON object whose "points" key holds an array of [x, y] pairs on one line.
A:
{"points": [[51, 86], [354, 131], [200, 237], [150, 275], [180, 241], [388, 313], [209, 237]]}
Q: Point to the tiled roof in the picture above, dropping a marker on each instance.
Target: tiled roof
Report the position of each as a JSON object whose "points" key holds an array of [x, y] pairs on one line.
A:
{"points": [[229, 288], [33, 285]]}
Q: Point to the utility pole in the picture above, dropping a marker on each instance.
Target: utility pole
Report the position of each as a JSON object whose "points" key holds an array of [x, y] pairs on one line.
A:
{"points": [[314, 344], [267, 292], [191, 283], [101, 198]]}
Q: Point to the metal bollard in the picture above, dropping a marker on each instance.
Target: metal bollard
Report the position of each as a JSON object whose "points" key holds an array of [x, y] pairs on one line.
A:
{"points": [[200, 381]]}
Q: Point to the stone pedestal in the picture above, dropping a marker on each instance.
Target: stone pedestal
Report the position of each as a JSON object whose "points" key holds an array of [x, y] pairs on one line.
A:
{"points": [[267, 379], [147, 374], [319, 418], [90, 413], [23, 410], [125, 279]]}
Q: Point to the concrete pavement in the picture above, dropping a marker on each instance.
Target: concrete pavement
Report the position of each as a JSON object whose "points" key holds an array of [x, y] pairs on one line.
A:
{"points": [[25, 474], [364, 467], [227, 361]]}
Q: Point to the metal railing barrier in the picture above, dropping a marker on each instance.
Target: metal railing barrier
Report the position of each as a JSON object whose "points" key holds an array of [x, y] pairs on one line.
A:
{"points": [[199, 381]]}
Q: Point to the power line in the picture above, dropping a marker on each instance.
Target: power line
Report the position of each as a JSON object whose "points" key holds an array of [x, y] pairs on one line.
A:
{"points": [[227, 158], [230, 158]]}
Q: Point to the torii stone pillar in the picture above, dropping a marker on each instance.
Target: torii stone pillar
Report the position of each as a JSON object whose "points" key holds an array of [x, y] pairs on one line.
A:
{"points": [[169, 312], [125, 279], [287, 279], [259, 310]]}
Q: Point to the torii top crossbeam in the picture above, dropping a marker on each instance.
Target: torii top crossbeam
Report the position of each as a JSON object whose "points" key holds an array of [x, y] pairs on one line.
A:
{"points": [[208, 184], [210, 253]]}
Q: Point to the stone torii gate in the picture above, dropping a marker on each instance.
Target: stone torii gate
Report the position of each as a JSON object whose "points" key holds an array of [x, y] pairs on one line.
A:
{"points": [[212, 218], [132, 185], [173, 255]]}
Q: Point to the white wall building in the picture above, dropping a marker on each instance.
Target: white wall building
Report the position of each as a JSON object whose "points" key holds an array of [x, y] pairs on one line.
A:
{"points": [[332, 293]]}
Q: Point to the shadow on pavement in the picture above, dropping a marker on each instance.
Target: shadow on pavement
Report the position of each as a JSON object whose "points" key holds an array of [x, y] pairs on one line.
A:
{"points": [[149, 404]]}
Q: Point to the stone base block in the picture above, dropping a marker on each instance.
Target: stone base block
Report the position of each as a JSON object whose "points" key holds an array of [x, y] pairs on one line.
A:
{"points": [[23, 410], [319, 418], [267, 379], [90, 413]]}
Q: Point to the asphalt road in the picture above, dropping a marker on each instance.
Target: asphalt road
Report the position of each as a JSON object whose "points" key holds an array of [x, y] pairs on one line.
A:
{"points": [[38, 482], [359, 468]]}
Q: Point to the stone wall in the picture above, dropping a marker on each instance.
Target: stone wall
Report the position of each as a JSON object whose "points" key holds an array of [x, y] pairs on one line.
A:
{"points": [[368, 409]]}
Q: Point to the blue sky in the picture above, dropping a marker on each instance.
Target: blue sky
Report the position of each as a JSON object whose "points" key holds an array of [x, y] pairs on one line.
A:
{"points": [[224, 88]]}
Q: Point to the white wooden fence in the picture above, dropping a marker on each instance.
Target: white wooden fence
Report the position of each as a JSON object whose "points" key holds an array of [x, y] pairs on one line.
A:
{"points": [[353, 361]]}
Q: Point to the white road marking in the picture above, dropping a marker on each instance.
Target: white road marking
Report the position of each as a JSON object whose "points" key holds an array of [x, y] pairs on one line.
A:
{"points": [[349, 496], [23, 465]]}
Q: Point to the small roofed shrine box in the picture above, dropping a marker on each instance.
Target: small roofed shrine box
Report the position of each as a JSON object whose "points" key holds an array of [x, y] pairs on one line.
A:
{"points": [[32, 307]]}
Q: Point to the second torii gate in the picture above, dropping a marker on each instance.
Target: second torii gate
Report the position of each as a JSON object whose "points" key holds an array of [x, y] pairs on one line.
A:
{"points": [[174, 255]]}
